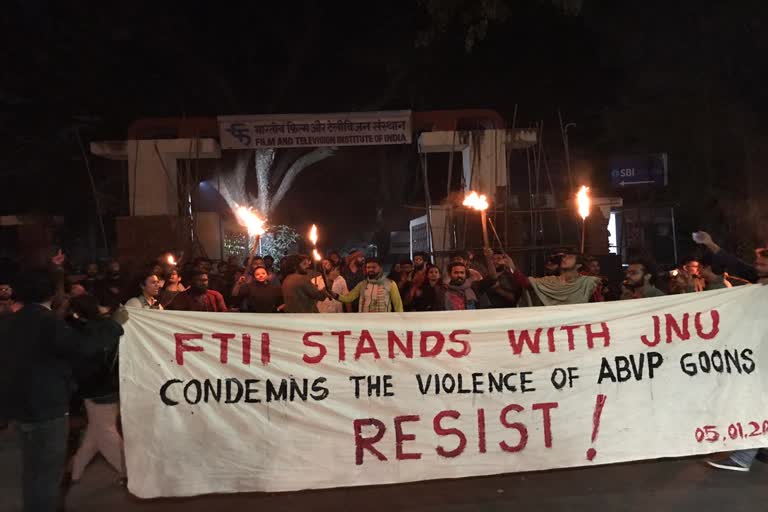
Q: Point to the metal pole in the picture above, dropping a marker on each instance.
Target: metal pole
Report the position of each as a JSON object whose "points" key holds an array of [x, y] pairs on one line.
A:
{"points": [[93, 189], [674, 234], [583, 233], [567, 148], [496, 235], [428, 200], [449, 213]]}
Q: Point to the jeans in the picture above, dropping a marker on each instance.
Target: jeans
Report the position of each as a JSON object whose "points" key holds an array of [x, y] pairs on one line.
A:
{"points": [[744, 458], [44, 456]]}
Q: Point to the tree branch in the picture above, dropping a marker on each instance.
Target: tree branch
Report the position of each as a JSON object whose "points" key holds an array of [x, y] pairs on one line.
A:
{"points": [[264, 160], [232, 187], [299, 165]]}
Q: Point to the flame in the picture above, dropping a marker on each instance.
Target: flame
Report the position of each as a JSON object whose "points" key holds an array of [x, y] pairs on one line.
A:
{"points": [[313, 235], [247, 217], [171, 260], [583, 202], [316, 255], [475, 201]]}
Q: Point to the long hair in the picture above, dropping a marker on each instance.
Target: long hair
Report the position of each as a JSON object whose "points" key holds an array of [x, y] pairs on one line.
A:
{"points": [[292, 263]]}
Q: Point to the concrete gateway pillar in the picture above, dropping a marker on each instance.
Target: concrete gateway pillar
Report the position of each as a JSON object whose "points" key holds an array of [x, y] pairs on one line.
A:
{"points": [[153, 168]]}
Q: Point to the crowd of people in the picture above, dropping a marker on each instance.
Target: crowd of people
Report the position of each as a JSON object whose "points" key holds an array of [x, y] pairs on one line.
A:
{"points": [[62, 329]]}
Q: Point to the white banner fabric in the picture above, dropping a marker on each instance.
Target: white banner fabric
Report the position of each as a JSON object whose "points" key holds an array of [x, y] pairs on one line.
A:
{"points": [[229, 402]]}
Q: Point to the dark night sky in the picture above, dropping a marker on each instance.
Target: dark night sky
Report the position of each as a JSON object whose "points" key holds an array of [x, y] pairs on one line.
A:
{"points": [[686, 79]]}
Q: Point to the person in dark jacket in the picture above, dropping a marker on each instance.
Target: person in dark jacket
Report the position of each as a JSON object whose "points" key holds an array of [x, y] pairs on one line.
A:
{"points": [[173, 287], [39, 352], [713, 274], [740, 460], [427, 292], [756, 274], [506, 292], [99, 385], [258, 296]]}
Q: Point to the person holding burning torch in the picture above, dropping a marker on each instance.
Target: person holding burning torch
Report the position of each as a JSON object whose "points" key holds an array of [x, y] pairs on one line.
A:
{"points": [[299, 294], [568, 287]]}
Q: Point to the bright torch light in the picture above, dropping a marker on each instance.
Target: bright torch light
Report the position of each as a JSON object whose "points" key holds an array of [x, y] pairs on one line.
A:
{"points": [[584, 205], [479, 202], [583, 202], [247, 217], [171, 260], [313, 234], [476, 201], [316, 255]]}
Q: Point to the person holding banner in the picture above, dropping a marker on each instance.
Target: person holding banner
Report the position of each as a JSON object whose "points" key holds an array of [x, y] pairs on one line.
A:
{"points": [[757, 273], [98, 384], [741, 460], [150, 290]]}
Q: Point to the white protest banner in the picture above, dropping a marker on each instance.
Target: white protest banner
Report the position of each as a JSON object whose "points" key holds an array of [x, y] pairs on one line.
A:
{"points": [[315, 130], [228, 402]]}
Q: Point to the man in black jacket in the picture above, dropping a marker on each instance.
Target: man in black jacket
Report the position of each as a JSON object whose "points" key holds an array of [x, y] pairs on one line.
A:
{"points": [[38, 353], [740, 460]]}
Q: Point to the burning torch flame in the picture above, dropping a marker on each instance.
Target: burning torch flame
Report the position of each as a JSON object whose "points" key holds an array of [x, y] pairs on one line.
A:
{"points": [[316, 255], [313, 235], [171, 260], [475, 201], [583, 202], [248, 218]]}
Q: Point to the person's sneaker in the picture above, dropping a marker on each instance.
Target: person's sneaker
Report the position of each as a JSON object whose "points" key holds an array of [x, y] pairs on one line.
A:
{"points": [[762, 456], [726, 462]]}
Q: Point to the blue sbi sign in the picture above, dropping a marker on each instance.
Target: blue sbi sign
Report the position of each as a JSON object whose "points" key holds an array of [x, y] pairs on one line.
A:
{"points": [[638, 170]]}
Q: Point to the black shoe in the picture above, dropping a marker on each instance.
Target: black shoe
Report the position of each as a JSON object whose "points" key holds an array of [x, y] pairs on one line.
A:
{"points": [[762, 456]]}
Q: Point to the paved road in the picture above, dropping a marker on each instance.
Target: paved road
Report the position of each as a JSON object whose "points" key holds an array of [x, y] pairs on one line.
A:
{"points": [[674, 485]]}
